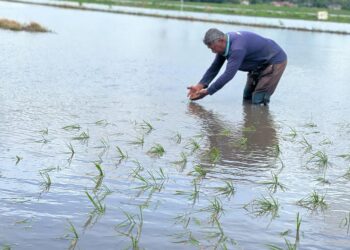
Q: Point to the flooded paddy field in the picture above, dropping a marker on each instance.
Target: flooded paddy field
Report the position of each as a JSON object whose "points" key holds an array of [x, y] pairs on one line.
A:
{"points": [[99, 147]]}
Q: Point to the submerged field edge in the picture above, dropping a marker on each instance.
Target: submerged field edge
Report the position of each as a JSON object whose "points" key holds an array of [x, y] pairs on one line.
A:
{"points": [[140, 12]]}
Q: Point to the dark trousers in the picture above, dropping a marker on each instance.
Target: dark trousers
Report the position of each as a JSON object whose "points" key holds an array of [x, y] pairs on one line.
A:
{"points": [[262, 83]]}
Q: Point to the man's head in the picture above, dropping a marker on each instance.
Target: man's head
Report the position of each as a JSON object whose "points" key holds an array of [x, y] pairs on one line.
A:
{"points": [[215, 40]]}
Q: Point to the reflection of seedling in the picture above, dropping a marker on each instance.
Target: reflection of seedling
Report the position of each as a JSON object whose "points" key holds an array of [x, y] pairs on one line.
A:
{"points": [[46, 180], [274, 184], [72, 127], [122, 155], [225, 132], [182, 161], [214, 155], [103, 123], [289, 245], [71, 151], [293, 133], [153, 182], [242, 142], [310, 125], [132, 227], [249, 129], [347, 174], [43, 140], [84, 136], [147, 126], [215, 208], [74, 237], [192, 196], [157, 150], [139, 140], [228, 190], [264, 206], [306, 145], [44, 131], [313, 201], [18, 159], [178, 138], [345, 156], [325, 142], [99, 208], [323, 180], [345, 222]]}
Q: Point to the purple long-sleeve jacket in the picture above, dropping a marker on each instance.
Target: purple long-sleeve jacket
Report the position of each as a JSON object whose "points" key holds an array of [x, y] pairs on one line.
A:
{"points": [[245, 51]]}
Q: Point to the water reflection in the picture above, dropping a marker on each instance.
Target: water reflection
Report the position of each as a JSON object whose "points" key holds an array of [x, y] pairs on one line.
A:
{"points": [[249, 144]]}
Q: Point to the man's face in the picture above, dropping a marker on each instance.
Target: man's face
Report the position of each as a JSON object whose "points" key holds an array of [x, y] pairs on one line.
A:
{"points": [[218, 47]]}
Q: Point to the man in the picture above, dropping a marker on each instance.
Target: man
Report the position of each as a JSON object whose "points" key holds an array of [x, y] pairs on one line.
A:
{"points": [[262, 58]]}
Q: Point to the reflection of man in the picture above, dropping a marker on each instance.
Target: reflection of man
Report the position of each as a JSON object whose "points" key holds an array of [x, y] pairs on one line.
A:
{"points": [[262, 58], [257, 128]]}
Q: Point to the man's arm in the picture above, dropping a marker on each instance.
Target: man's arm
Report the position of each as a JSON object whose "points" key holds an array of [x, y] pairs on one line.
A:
{"points": [[212, 71], [233, 64]]}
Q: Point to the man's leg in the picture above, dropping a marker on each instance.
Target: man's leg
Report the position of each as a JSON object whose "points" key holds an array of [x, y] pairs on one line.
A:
{"points": [[267, 83], [249, 88]]}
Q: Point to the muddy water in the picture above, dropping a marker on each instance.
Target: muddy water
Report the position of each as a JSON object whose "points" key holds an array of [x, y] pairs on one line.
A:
{"points": [[109, 75]]}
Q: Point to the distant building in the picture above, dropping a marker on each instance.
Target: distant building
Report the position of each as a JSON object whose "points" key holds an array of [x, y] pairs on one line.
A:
{"points": [[282, 4], [322, 15], [245, 2]]}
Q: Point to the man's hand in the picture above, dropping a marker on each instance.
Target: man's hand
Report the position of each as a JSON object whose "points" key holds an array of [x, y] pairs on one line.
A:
{"points": [[196, 92]]}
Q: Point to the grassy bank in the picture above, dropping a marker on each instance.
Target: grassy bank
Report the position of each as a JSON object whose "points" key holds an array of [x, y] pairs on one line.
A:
{"points": [[260, 10], [16, 26]]}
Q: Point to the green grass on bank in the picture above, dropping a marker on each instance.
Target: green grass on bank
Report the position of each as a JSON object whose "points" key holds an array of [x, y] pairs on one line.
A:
{"points": [[261, 10]]}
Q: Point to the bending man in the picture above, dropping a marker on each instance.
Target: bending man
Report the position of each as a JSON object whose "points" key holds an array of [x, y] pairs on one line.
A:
{"points": [[262, 58]]}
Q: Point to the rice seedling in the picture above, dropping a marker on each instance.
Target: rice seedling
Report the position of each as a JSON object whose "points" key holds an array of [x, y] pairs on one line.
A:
{"points": [[154, 181], [43, 140], [320, 159], [182, 161], [277, 150], [104, 144], [323, 180], [297, 234], [84, 136], [289, 246], [131, 227], [46, 184], [293, 133], [18, 159], [121, 154], [103, 123], [274, 184], [193, 145], [263, 207], [214, 155], [96, 202], [74, 237], [192, 196], [313, 202], [178, 138], [71, 150], [186, 238], [228, 190], [139, 141], [345, 222], [157, 150], [306, 145], [242, 142], [199, 171], [6, 247], [249, 129], [99, 168], [146, 126], [72, 127], [215, 209]]}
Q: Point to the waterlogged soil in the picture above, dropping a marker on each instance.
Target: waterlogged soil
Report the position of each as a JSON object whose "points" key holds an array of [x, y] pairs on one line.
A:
{"points": [[101, 149]]}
